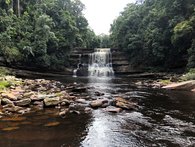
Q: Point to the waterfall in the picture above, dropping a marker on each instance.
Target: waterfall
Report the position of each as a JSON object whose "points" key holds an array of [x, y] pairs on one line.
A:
{"points": [[100, 63]]}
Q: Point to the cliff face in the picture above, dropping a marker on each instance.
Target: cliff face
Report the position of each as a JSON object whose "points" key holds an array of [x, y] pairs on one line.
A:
{"points": [[79, 58]]}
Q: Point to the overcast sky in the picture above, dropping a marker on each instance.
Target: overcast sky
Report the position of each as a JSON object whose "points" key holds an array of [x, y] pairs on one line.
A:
{"points": [[101, 13]]}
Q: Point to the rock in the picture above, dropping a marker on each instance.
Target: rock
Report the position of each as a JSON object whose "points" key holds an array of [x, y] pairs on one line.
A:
{"points": [[97, 93], [124, 104], [38, 103], [9, 96], [82, 101], [113, 109], [51, 101], [187, 86], [29, 94], [13, 108], [6, 101], [105, 105], [75, 112], [0, 101], [98, 103], [65, 102], [23, 102], [63, 113], [79, 89], [87, 110], [193, 90], [24, 111]]}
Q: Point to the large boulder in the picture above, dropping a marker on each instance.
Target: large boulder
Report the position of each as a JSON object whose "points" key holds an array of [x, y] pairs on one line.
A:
{"points": [[186, 86], [51, 101]]}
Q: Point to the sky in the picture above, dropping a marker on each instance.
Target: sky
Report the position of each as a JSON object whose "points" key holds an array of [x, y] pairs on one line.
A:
{"points": [[101, 13]]}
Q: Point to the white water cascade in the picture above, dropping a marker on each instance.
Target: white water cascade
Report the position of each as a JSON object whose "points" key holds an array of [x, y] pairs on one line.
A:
{"points": [[100, 63]]}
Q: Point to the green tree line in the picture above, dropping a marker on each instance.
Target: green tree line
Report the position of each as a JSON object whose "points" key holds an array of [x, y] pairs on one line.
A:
{"points": [[157, 33], [41, 33]]}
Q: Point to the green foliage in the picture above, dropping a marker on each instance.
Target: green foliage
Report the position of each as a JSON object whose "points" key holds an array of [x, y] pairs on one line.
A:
{"points": [[3, 71], [190, 75], [157, 33], [104, 41], [42, 33], [4, 84]]}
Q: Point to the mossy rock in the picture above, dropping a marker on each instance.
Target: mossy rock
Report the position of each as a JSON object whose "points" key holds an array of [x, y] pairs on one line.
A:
{"points": [[4, 84]]}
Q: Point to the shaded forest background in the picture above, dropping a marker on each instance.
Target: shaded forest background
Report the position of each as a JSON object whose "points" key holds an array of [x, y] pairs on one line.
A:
{"points": [[154, 34], [157, 34]]}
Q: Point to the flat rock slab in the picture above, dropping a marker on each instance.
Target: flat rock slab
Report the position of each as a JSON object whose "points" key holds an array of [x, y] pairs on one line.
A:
{"points": [[51, 101], [113, 109], [187, 86], [124, 104]]}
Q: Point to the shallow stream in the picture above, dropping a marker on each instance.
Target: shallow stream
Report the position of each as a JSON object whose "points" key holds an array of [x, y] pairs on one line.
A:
{"points": [[164, 118]]}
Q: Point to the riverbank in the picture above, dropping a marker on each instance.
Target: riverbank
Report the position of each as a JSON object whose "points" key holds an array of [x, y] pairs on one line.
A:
{"points": [[23, 96], [19, 96]]}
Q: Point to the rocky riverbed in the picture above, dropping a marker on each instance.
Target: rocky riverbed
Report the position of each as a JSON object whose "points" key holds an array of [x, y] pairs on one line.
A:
{"points": [[27, 95]]}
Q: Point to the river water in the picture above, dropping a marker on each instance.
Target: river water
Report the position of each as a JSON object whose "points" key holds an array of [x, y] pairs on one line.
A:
{"points": [[164, 118]]}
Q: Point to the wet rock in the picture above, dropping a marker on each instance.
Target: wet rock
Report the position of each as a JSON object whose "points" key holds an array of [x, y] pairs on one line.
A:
{"points": [[24, 111], [79, 89], [75, 112], [65, 102], [63, 112], [24, 102], [113, 109], [82, 101], [187, 85], [51, 101], [124, 104], [87, 110], [6, 101], [105, 105], [12, 108], [98, 103], [97, 93]]}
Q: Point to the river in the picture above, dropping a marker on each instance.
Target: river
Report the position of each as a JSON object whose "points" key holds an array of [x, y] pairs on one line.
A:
{"points": [[164, 118]]}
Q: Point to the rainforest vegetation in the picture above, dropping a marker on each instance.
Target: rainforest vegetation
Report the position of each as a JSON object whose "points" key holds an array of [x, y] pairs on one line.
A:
{"points": [[41, 33], [157, 34]]}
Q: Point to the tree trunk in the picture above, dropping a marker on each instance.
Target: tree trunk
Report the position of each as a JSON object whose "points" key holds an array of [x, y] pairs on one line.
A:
{"points": [[18, 7]]}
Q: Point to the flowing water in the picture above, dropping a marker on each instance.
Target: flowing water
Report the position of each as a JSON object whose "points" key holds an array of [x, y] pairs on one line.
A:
{"points": [[100, 63], [164, 119]]}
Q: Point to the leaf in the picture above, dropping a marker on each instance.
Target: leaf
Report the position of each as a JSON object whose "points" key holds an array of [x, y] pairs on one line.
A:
{"points": [[10, 128], [52, 124]]}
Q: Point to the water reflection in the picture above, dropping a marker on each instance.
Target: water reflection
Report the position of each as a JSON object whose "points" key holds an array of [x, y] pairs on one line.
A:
{"points": [[106, 129]]}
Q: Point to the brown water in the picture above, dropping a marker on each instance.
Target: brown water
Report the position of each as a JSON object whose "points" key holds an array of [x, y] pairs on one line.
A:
{"points": [[164, 118]]}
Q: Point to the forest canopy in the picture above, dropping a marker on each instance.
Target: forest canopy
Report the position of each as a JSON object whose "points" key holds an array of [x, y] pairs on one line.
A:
{"points": [[157, 33], [41, 33]]}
